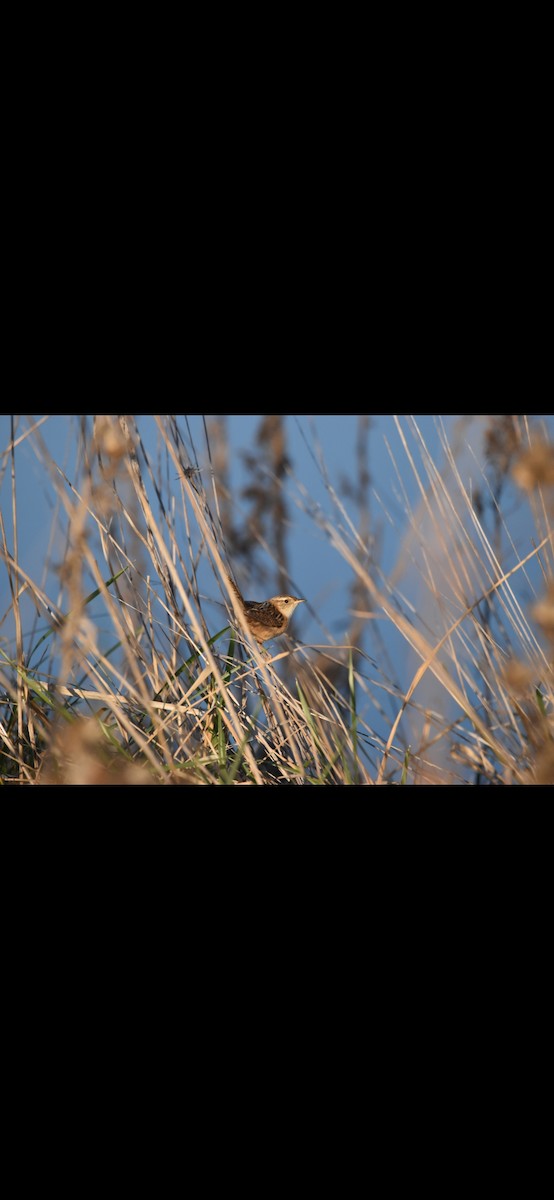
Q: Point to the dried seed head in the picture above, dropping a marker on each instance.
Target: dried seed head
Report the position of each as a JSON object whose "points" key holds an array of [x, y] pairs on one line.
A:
{"points": [[543, 612], [535, 467], [517, 677]]}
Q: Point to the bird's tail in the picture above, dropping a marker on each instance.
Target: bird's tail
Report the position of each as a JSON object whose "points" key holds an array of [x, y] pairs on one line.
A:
{"points": [[235, 589]]}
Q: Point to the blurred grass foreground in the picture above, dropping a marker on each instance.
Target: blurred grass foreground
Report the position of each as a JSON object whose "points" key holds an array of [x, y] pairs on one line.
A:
{"points": [[123, 659]]}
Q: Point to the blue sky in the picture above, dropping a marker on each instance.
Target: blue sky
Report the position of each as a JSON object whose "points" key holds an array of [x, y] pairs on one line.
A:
{"points": [[315, 569], [317, 572]]}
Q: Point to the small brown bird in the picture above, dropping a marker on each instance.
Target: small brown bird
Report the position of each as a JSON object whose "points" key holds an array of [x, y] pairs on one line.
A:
{"points": [[267, 618]]}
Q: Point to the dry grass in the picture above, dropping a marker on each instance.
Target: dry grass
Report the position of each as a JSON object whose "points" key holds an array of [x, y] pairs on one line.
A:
{"points": [[129, 662]]}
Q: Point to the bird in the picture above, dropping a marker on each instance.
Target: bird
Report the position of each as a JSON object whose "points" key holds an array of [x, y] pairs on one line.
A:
{"points": [[267, 619]]}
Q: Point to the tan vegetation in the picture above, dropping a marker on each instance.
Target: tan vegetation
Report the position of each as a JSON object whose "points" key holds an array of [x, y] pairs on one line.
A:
{"points": [[130, 661]]}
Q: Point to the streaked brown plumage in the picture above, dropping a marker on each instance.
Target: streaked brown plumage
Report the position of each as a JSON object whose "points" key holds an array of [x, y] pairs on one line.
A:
{"points": [[267, 618]]}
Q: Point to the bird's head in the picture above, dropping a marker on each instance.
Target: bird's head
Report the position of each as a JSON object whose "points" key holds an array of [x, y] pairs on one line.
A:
{"points": [[286, 604]]}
